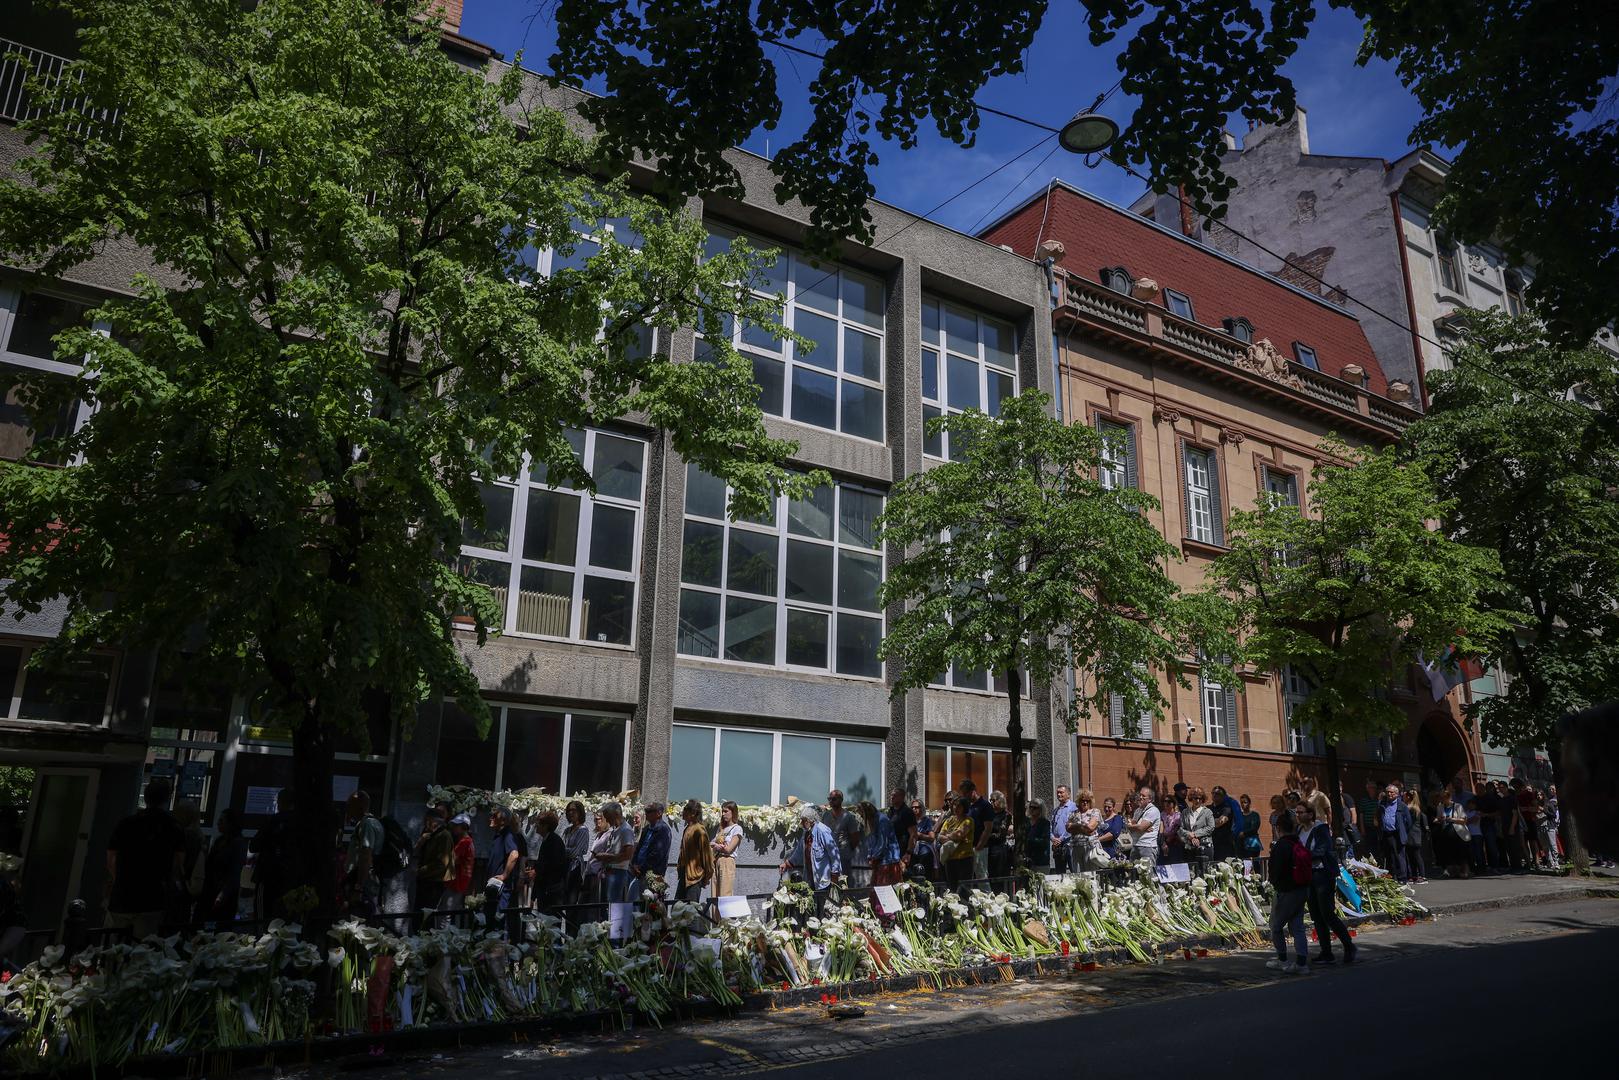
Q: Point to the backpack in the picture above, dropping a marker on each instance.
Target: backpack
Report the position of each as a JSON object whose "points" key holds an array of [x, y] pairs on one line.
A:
{"points": [[394, 855], [1302, 873]]}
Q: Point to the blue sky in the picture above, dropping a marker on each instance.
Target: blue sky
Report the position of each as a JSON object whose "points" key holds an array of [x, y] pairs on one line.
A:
{"points": [[1352, 110]]}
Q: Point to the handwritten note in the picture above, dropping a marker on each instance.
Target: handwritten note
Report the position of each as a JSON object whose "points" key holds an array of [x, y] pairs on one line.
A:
{"points": [[734, 907], [887, 899], [621, 921]]}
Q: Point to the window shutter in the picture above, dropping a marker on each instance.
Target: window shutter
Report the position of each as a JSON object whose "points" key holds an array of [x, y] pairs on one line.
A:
{"points": [[1186, 483], [1115, 715], [1232, 736], [1130, 456], [1216, 515]]}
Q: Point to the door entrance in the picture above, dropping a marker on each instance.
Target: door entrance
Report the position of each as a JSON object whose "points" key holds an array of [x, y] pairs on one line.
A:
{"points": [[57, 843]]}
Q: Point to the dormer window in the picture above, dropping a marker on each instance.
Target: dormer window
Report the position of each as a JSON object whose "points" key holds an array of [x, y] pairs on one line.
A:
{"points": [[1305, 355], [1117, 278], [1178, 303], [1241, 329]]}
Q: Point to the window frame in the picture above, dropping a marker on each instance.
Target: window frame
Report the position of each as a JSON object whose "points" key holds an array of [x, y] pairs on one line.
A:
{"points": [[784, 537], [497, 735], [1241, 329], [1127, 470], [1306, 356], [1111, 277], [1293, 496], [941, 351], [1512, 287], [1295, 690], [12, 293], [11, 697], [777, 734], [1230, 735], [1210, 491], [950, 781], [1448, 267], [584, 528], [1174, 296]]}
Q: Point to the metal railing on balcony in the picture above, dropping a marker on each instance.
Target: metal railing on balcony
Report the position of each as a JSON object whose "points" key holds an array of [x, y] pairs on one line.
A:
{"points": [[34, 83]]}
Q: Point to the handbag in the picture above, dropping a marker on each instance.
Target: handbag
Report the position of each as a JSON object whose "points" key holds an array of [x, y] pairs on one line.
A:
{"points": [[947, 850], [1124, 844]]}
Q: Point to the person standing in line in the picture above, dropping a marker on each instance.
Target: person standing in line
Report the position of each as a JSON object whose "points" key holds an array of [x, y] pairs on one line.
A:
{"points": [[983, 815], [144, 858], [576, 838], [1145, 829], [651, 859], [1320, 806], [882, 848], [1292, 884], [1354, 827], [1394, 822], [189, 903], [1475, 839], [1037, 841], [222, 878], [1227, 820], [924, 850], [1170, 849], [551, 863], [1061, 845], [1111, 829], [695, 867], [1489, 811], [506, 854], [725, 843], [1316, 836], [956, 846], [1085, 834], [613, 851], [1196, 825], [1370, 815], [1248, 842], [1554, 813], [846, 830], [434, 860], [361, 885], [1547, 832], [1181, 790], [463, 857], [1418, 833], [815, 854], [999, 847], [1450, 839], [276, 857], [904, 823], [1277, 805]]}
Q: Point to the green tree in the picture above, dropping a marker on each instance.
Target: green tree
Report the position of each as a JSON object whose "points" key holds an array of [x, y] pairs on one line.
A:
{"points": [[687, 79], [1017, 559], [1522, 433], [1351, 591], [343, 335]]}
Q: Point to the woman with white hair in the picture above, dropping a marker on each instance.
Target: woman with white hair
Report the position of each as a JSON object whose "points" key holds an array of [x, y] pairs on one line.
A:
{"points": [[616, 853], [816, 854]]}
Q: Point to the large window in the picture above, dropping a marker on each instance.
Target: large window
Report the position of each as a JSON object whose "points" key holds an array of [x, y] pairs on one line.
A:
{"points": [[1514, 297], [1202, 495], [989, 770], [1219, 707], [794, 588], [1118, 469], [759, 768], [1295, 692], [1116, 715], [969, 361], [562, 752], [836, 381], [76, 694], [28, 323], [1450, 275], [563, 563], [1282, 487]]}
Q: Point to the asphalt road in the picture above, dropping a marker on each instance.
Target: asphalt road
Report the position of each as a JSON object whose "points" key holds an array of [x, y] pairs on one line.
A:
{"points": [[1494, 990]]}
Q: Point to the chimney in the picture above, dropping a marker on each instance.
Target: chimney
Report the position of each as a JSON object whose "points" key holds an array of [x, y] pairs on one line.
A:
{"points": [[449, 11], [1175, 212]]}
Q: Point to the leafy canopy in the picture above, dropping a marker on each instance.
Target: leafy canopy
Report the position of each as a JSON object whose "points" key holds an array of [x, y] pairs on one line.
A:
{"points": [[1350, 592], [686, 79], [1017, 557], [342, 335], [1522, 432]]}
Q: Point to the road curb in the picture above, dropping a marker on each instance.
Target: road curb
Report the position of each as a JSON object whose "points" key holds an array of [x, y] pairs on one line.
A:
{"points": [[1463, 907]]}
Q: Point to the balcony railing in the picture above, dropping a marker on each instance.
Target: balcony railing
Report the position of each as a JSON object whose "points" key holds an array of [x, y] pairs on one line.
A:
{"points": [[1101, 304], [55, 87]]}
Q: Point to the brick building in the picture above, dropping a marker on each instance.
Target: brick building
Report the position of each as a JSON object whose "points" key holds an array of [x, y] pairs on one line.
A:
{"points": [[1218, 382]]}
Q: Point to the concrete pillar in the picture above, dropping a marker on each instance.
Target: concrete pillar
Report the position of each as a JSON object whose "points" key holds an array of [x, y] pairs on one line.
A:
{"points": [[906, 757]]}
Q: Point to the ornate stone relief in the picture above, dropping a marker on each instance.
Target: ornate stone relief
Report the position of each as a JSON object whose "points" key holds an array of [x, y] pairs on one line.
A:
{"points": [[1264, 359]]}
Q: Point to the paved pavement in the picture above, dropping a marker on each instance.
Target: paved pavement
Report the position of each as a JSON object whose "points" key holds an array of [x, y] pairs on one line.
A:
{"points": [[1227, 1012], [1441, 895]]}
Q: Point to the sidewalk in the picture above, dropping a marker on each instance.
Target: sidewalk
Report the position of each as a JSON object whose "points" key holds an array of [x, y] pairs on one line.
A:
{"points": [[1511, 890]]}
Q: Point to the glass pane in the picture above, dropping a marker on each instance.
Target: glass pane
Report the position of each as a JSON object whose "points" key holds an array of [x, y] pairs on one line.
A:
{"points": [[809, 572], [937, 783], [10, 661], [814, 398], [596, 755], [750, 630], [533, 751], [806, 768], [638, 342], [774, 271], [75, 693], [930, 322], [22, 426], [858, 638], [963, 383], [618, 467], [180, 709], [495, 531], [745, 766], [862, 411], [812, 516], [999, 778], [464, 756], [1000, 389], [957, 443], [609, 610], [969, 679], [930, 375], [705, 494], [756, 336], [969, 765], [961, 330], [612, 537], [857, 516], [691, 763], [575, 259], [496, 575], [769, 375], [545, 602], [822, 351], [863, 299], [40, 318], [998, 344], [817, 286], [806, 638], [753, 562], [699, 624], [932, 441], [701, 554], [858, 577], [862, 354], [551, 527], [539, 472], [860, 771]]}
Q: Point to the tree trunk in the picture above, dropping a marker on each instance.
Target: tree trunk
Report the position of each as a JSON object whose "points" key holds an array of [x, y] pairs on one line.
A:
{"points": [[1014, 734], [1569, 831], [1335, 792], [312, 757]]}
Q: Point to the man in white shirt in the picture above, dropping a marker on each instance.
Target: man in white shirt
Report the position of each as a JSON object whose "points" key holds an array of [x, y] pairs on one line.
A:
{"points": [[1144, 827]]}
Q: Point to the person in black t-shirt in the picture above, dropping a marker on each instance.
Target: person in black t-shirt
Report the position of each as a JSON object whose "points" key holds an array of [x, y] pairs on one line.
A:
{"points": [[904, 822], [143, 864]]}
